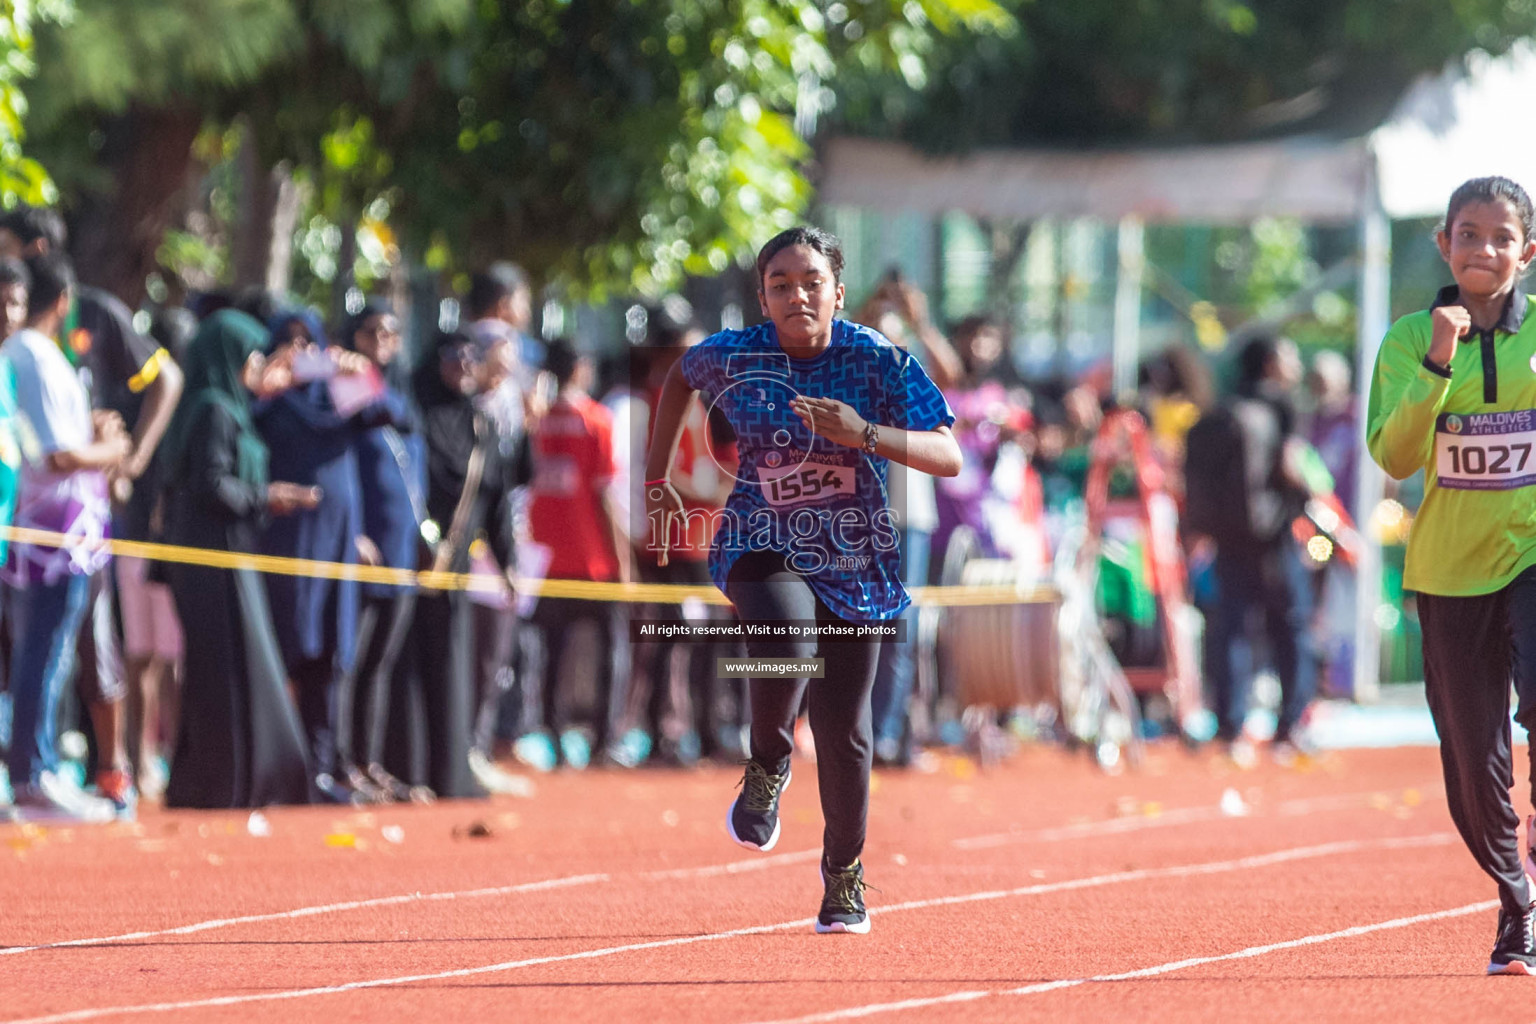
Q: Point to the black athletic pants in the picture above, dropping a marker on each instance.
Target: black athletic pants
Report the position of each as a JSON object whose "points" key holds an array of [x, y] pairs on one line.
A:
{"points": [[496, 673], [1271, 580], [442, 633], [315, 684], [362, 715], [763, 587], [1472, 648]]}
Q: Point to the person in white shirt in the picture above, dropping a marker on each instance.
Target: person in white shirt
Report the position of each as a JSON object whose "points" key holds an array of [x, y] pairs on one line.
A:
{"points": [[68, 454]]}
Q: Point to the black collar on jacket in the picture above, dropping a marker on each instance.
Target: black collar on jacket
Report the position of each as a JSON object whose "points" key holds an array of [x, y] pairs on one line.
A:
{"points": [[1509, 322]]}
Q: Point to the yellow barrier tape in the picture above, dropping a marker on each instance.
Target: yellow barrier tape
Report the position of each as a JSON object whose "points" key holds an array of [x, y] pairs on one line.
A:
{"points": [[484, 583]]}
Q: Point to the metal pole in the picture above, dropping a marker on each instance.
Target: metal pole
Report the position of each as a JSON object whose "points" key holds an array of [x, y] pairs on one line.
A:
{"points": [[1374, 314], [1127, 331]]}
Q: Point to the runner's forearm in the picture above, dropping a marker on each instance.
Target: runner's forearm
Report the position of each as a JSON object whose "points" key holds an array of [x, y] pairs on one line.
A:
{"points": [[928, 451]]}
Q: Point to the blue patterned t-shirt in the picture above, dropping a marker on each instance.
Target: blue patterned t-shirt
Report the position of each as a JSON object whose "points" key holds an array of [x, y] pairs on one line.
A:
{"points": [[824, 506]]}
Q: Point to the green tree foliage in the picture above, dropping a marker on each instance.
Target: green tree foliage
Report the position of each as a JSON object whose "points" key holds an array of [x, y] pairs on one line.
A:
{"points": [[1182, 70], [113, 53], [618, 145], [608, 144], [615, 145], [21, 177]]}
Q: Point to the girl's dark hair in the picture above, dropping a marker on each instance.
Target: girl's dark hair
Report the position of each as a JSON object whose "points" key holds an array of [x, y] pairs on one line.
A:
{"points": [[1489, 190], [52, 276], [823, 242]]}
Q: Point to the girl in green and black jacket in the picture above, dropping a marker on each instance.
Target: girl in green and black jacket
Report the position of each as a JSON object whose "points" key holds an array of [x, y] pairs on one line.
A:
{"points": [[1454, 394]]}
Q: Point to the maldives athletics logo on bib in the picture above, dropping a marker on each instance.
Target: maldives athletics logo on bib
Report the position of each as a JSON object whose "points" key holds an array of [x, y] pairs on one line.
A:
{"points": [[1453, 424]]}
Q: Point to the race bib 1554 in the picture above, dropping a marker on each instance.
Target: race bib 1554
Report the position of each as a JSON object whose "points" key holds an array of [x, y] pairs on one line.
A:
{"points": [[807, 482]]}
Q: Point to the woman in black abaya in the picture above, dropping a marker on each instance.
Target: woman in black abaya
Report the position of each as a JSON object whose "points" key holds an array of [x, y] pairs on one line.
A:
{"points": [[239, 743]]}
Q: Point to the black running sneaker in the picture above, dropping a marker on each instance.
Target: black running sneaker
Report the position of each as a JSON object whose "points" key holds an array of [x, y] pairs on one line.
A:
{"points": [[842, 905], [754, 817], [1515, 950]]}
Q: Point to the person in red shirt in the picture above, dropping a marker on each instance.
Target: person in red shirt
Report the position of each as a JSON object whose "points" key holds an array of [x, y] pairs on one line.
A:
{"points": [[703, 471], [573, 460]]}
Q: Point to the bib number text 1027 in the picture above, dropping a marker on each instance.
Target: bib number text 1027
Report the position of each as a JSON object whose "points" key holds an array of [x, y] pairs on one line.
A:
{"points": [[1488, 463]]}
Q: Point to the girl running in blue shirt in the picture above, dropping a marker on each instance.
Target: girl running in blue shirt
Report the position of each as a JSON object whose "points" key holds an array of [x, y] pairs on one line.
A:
{"points": [[820, 406]]}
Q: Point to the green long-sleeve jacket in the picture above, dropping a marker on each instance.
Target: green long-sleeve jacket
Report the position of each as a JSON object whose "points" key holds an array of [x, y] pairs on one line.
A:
{"points": [[1474, 435]]}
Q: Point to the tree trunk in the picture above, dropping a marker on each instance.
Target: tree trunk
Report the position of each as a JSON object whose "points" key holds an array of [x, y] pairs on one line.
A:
{"points": [[262, 250], [116, 234], [281, 226], [251, 246]]}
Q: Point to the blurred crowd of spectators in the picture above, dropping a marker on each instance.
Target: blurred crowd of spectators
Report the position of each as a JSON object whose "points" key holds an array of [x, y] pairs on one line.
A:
{"points": [[242, 427]]}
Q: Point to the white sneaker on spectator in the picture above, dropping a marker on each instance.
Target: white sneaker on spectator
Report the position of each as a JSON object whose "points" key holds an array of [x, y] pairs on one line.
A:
{"points": [[54, 798], [496, 779]]}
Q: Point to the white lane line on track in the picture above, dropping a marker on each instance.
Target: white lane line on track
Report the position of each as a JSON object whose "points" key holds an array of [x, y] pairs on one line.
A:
{"points": [[872, 1009], [1113, 826], [1163, 819], [736, 866], [707, 871], [1183, 871], [327, 908]]}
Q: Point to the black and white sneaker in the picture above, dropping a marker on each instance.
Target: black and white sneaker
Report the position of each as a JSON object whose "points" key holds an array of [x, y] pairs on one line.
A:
{"points": [[753, 820], [1515, 950], [842, 905]]}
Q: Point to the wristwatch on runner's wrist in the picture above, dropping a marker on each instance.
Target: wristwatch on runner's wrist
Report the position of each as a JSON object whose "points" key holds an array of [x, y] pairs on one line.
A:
{"points": [[871, 438]]}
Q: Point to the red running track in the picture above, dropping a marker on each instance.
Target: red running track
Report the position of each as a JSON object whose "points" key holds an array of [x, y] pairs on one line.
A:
{"points": [[1039, 890]]}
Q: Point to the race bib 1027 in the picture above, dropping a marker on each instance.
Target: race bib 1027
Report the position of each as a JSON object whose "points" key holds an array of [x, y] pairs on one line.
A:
{"points": [[1489, 451]]}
